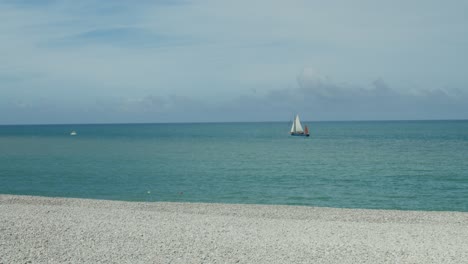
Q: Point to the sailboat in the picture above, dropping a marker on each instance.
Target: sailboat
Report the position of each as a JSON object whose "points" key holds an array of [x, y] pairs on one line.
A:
{"points": [[296, 129]]}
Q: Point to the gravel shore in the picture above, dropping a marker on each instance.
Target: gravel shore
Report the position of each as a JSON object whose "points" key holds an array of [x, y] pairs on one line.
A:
{"points": [[63, 230]]}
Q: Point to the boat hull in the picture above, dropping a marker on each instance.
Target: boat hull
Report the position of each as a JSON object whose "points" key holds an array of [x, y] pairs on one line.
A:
{"points": [[299, 134]]}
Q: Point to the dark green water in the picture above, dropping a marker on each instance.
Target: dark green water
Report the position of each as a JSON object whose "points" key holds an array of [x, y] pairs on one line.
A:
{"points": [[418, 165]]}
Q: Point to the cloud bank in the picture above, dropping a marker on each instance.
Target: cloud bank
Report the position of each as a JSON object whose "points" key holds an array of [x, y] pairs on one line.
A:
{"points": [[315, 97]]}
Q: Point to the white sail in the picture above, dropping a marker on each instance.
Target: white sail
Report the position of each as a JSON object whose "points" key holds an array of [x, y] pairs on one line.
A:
{"points": [[296, 126]]}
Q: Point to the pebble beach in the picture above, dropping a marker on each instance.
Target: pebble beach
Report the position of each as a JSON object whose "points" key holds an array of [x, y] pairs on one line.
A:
{"points": [[67, 230]]}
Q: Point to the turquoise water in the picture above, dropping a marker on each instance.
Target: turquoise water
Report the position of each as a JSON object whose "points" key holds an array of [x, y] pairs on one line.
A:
{"points": [[418, 165]]}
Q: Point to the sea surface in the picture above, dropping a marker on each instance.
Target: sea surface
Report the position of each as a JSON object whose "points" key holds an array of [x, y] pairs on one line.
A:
{"points": [[409, 165]]}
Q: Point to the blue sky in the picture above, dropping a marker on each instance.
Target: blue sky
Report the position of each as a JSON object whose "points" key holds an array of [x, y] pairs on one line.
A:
{"points": [[207, 61]]}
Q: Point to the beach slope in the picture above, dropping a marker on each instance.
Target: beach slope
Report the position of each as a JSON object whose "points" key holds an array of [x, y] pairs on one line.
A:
{"points": [[61, 230]]}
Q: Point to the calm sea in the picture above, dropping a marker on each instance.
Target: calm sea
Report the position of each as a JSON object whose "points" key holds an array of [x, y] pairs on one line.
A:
{"points": [[417, 165]]}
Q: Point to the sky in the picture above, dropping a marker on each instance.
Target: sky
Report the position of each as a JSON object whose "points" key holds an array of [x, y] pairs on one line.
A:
{"points": [[92, 61]]}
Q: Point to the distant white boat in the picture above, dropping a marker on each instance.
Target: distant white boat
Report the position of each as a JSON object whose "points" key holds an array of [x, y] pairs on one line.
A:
{"points": [[296, 129], [73, 133]]}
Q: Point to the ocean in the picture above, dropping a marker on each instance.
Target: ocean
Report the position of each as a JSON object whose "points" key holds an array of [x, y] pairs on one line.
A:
{"points": [[407, 165]]}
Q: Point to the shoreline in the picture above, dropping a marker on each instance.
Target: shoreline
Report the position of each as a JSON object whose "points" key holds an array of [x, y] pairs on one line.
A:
{"points": [[57, 230], [69, 200], [250, 208]]}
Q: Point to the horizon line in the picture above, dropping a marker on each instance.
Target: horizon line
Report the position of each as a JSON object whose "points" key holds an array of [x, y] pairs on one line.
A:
{"points": [[229, 122]]}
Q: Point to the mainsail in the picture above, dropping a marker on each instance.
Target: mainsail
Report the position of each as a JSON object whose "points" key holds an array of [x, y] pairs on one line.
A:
{"points": [[296, 126]]}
